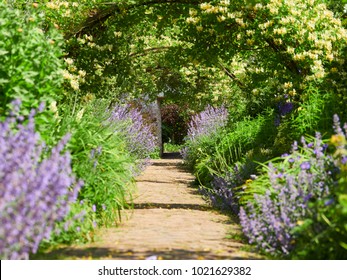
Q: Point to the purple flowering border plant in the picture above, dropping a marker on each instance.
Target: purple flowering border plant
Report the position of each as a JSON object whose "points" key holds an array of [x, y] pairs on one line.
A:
{"points": [[203, 126], [140, 140], [284, 206], [36, 186]]}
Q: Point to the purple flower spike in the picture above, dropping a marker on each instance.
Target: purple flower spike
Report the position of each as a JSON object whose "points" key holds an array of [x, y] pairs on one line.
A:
{"points": [[205, 124], [141, 141], [329, 202], [305, 165], [36, 189]]}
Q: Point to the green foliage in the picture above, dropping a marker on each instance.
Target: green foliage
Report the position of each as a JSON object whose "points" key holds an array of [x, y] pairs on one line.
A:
{"points": [[101, 159], [324, 234], [77, 227], [30, 64], [247, 141], [174, 123], [172, 148], [314, 113]]}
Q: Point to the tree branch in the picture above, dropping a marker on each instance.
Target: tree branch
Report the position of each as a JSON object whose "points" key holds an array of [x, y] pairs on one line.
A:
{"points": [[231, 75], [102, 14]]}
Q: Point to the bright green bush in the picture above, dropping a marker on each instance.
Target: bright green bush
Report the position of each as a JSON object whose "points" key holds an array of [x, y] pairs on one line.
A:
{"points": [[314, 112], [30, 59], [100, 158], [246, 142]]}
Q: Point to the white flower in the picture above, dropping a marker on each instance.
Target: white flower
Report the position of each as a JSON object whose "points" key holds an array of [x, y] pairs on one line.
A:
{"points": [[69, 61], [74, 84], [80, 114], [53, 106]]}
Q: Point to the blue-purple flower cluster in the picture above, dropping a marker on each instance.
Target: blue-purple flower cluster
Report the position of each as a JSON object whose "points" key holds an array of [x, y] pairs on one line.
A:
{"points": [[222, 194], [36, 186], [204, 124], [284, 108], [138, 134], [300, 177], [207, 122]]}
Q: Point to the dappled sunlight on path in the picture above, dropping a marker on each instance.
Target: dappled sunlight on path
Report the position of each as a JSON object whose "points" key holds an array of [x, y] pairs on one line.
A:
{"points": [[170, 221]]}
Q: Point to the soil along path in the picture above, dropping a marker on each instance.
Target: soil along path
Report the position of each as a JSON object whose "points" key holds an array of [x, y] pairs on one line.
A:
{"points": [[170, 221]]}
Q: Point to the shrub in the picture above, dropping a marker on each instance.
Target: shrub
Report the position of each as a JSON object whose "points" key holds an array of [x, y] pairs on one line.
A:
{"points": [[203, 130], [174, 125], [140, 140], [100, 157], [30, 61], [314, 112], [323, 234], [232, 159], [37, 186], [297, 207]]}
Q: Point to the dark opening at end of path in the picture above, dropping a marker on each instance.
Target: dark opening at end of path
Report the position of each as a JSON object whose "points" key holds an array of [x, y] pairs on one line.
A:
{"points": [[175, 155]]}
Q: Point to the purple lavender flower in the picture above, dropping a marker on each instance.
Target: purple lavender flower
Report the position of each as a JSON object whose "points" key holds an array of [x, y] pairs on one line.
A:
{"points": [[205, 124], [305, 165], [36, 188], [285, 108], [269, 222], [329, 202], [140, 139], [337, 127]]}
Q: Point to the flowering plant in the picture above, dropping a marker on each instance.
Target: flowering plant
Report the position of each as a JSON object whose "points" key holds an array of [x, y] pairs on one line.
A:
{"points": [[202, 129], [30, 61], [36, 186], [140, 140], [291, 201]]}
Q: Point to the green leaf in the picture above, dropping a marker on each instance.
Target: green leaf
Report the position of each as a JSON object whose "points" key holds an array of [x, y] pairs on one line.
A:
{"points": [[4, 81], [304, 226], [343, 202], [3, 52], [343, 245]]}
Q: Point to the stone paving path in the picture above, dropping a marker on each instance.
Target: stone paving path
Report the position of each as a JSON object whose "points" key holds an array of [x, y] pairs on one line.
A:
{"points": [[170, 221]]}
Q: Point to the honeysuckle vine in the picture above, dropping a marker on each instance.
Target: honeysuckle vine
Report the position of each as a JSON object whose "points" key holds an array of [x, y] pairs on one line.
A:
{"points": [[262, 50]]}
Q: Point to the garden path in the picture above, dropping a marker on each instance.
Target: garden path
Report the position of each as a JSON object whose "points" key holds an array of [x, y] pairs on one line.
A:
{"points": [[170, 221]]}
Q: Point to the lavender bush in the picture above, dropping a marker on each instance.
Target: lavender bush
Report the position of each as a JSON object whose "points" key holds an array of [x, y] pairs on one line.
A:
{"points": [[36, 186], [282, 196], [139, 137], [227, 160], [222, 194], [100, 158], [207, 122], [201, 130]]}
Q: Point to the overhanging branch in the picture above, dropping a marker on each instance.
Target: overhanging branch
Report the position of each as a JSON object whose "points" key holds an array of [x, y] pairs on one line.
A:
{"points": [[231, 75], [111, 8]]}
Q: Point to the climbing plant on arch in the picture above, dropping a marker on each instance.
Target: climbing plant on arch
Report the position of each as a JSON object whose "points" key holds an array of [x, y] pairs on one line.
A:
{"points": [[258, 50]]}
